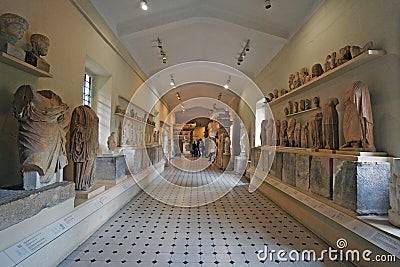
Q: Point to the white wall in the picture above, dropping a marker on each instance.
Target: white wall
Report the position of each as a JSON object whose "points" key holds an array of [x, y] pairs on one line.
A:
{"points": [[72, 41], [338, 23]]}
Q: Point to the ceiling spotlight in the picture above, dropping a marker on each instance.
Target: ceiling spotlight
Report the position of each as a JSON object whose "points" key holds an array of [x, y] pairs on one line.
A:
{"points": [[219, 96], [143, 3], [178, 96], [159, 44], [162, 52], [226, 86], [267, 4], [245, 49], [172, 82]]}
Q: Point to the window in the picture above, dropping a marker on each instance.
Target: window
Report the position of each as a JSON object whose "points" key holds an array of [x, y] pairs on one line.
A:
{"points": [[87, 90]]}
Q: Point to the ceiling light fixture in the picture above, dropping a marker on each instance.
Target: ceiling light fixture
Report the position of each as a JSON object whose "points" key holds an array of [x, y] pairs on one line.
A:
{"points": [[267, 4], [245, 49], [162, 52], [178, 96], [219, 96], [172, 82], [226, 85], [143, 4]]}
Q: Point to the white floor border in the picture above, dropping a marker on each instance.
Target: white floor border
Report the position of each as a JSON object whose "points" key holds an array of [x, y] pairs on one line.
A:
{"points": [[327, 222], [53, 243]]}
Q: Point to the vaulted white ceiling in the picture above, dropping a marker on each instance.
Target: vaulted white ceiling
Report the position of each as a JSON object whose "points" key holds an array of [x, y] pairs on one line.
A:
{"points": [[207, 30]]}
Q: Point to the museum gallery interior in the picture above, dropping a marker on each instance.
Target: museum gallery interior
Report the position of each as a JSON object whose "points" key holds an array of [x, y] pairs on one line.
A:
{"points": [[199, 133]]}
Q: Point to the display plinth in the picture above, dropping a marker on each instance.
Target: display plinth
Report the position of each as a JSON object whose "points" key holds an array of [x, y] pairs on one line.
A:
{"points": [[18, 205], [110, 169], [362, 186], [92, 192], [358, 181], [225, 161], [240, 164], [82, 196], [32, 180]]}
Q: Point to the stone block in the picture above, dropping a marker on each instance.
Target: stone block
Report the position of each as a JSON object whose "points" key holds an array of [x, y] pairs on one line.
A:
{"points": [[110, 168], [303, 163], [19, 205], [32, 180], [362, 186], [276, 169], [134, 160], [289, 168], [321, 176], [240, 164]]}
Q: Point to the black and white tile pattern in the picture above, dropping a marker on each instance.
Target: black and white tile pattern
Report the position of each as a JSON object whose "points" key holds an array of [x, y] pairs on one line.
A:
{"points": [[227, 232]]}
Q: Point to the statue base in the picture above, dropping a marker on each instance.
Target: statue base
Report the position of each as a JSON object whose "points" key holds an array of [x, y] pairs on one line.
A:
{"points": [[394, 217], [36, 61], [32, 180], [13, 50], [240, 164], [31, 59]]}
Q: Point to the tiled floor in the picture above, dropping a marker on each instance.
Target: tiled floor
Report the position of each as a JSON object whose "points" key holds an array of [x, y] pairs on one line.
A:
{"points": [[227, 232]]}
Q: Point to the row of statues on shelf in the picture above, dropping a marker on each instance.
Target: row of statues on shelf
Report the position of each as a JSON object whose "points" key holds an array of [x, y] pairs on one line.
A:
{"points": [[332, 61], [45, 153], [12, 29], [323, 128], [133, 114], [302, 105]]}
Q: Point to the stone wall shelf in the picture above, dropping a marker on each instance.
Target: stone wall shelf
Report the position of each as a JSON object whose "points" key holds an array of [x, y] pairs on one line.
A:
{"points": [[300, 112], [131, 118], [21, 65], [368, 56]]}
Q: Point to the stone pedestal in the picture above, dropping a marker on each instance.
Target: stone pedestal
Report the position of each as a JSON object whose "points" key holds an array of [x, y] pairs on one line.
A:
{"points": [[289, 168], [394, 194], [303, 163], [362, 186], [18, 205], [267, 157], [110, 169], [14, 51], [82, 196], [276, 168], [225, 161], [32, 180], [134, 160], [321, 176], [240, 164]]}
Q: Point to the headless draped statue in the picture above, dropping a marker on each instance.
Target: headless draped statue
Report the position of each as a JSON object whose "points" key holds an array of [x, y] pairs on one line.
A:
{"points": [[263, 134], [41, 131], [84, 143], [357, 120], [330, 124]]}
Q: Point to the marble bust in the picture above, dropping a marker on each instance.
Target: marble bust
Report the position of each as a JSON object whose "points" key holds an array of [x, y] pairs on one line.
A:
{"points": [[13, 27], [111, 143], [40, 44], [316, 70]]}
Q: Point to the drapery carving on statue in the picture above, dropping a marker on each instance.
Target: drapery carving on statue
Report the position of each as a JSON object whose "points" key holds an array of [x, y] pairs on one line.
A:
{"points": [[330, 124], [41, 132], [358, 123], [84, 144]]}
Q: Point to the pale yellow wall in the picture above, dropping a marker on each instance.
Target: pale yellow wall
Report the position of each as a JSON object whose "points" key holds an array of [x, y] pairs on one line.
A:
{"points": [[336, 24], [72, 40]]}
